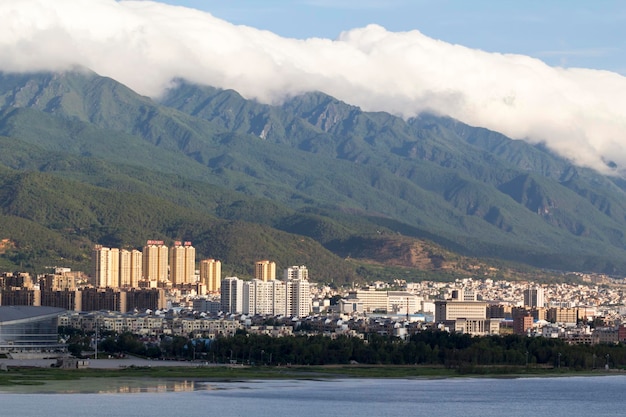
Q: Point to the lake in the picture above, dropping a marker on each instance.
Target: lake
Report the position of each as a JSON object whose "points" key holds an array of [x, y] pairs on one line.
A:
{"points": [[469, 397]]}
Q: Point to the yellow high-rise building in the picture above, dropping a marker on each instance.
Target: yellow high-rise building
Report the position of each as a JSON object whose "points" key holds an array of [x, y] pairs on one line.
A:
{"points": [[131, 268], [182, 263], [265, 270], [211, 274], [155, 261], [115, 268]]}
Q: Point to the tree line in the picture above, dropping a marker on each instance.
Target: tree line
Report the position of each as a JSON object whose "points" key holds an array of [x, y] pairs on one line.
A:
{"points": [[431, 347]]}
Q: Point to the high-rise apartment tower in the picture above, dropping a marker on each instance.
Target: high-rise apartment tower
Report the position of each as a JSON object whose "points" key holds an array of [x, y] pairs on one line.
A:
{"points": [[182, 263], [155, 261], [265, 270], [211, 274]]}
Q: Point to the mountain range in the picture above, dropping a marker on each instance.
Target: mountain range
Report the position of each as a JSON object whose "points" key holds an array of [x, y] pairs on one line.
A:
{"points": [[312, 181]]}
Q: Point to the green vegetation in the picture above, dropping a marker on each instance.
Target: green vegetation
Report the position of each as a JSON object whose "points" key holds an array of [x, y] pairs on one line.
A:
{"points": [[431, 348], [39, 376], [427, 354], [86, 160]]}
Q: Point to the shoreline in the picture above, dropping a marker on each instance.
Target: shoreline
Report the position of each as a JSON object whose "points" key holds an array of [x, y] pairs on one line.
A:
{"points": [[151, 385], [136, 375], [100, 363]]}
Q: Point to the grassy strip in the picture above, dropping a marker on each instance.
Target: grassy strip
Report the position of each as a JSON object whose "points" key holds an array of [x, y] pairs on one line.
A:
{"points": [[35, 376]]}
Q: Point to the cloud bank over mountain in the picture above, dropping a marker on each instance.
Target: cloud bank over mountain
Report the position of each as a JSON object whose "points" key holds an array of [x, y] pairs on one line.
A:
{"points": [[578, 113]]}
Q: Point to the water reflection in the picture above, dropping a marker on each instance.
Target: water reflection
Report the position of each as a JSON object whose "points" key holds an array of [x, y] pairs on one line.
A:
{"points": [[156, 387], [111, 386]]}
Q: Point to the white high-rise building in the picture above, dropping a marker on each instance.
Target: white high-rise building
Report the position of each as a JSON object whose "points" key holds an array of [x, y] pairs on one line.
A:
{"points": [[297, 292], [232, 295], [280, 298], [296, 272], [114, 268], [266, 298], [257, 298], [274, 298], [114, 281], [298, 298]]}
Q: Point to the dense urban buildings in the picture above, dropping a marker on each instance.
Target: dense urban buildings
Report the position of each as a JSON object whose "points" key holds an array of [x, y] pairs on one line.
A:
{"points": [[129, 280], [121, 280], [161, 278]]}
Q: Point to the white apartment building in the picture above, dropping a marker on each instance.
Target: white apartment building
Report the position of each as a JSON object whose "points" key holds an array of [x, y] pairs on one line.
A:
{"points": [[232, 295], [298, 298], [296, 272], [397, 302], [267, 298], [274, 297]]}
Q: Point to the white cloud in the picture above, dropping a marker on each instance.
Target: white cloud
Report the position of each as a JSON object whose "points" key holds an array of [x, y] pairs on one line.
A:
{"points": [[579, 113]]}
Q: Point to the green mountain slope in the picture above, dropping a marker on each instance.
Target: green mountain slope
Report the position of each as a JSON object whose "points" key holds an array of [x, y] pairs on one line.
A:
{"points": [[313, 167], [480, 175], [49, 219]]}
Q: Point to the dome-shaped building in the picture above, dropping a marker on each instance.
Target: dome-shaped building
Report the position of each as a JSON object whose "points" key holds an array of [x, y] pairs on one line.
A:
{"points": [[28, 329]]}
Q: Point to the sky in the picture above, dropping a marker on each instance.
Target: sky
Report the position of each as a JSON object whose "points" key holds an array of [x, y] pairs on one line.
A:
{"points": [[545, 72], [571, 33]]}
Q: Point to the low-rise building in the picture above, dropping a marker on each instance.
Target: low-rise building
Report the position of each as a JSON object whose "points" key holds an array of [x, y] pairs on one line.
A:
{"points": [[29, 329]]}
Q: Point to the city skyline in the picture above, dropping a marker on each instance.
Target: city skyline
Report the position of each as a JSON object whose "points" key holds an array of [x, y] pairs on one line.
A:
{"points": [[159, 263]]}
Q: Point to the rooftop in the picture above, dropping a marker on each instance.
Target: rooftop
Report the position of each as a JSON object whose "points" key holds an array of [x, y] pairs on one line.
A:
{"points": [[14, 313]]}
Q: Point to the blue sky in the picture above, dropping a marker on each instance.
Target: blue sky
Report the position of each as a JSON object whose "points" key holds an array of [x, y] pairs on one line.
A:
{"points": [[570, 33]]}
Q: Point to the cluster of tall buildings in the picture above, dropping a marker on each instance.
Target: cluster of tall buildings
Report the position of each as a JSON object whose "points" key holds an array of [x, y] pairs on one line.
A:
{"points": [[265, 295], [155, 266], [126, 280], [115, 268]]}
